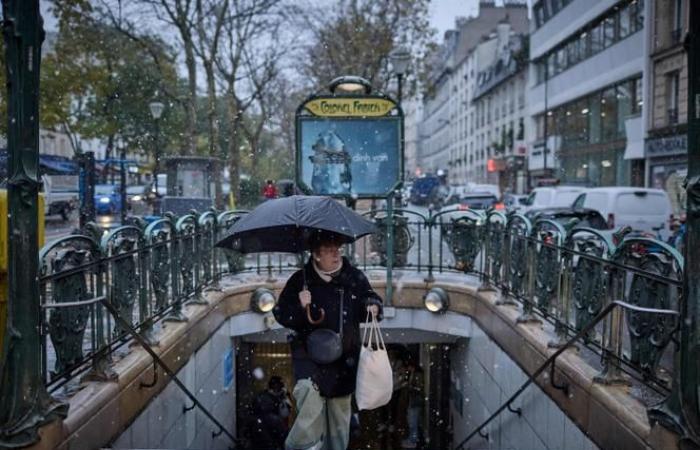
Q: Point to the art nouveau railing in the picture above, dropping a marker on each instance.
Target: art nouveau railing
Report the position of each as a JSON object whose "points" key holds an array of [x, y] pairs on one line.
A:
{"points": [[561, 275]]}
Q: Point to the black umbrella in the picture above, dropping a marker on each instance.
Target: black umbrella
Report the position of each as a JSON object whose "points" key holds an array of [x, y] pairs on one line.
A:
{"points": [[285, 224]]}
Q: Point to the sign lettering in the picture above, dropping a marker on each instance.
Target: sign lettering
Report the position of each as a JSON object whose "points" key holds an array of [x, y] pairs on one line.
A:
{"points": [[350, 107]]}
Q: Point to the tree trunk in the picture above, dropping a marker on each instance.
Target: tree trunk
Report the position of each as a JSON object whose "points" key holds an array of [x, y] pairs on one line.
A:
{"points": [[191, 107], [214, 149], [234, 153]]}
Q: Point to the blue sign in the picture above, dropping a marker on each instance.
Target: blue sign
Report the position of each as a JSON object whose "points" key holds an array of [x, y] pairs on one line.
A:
{"points": [[228, 369], [350, 157]]}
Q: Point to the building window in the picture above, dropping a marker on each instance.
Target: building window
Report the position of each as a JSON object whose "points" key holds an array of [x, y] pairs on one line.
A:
{"points": [[672, 91], [616, 24], [625, 21], [677, 21]]}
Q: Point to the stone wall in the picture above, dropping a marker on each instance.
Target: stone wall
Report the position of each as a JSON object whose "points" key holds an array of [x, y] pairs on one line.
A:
{"points": [[165, 424], [482, 378]]}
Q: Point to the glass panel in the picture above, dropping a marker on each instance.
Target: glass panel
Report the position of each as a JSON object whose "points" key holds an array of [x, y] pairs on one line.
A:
{"points": [[624, 105], [640, 14], [596, 42], [625, 22], [594, 119], [609, 31], [608, 114]]}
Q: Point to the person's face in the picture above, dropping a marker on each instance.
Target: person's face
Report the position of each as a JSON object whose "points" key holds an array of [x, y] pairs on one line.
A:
{"points": [[328, 257]]}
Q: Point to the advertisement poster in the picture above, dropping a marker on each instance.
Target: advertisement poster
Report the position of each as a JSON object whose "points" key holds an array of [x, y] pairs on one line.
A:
{"points": [[349, 157]]}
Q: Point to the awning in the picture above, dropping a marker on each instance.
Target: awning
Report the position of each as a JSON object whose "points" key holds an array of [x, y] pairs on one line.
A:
{"points": [[57, 165], [635, 138]]}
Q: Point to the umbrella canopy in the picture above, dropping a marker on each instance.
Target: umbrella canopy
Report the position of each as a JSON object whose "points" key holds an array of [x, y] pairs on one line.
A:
{"points": [[285, 224]]}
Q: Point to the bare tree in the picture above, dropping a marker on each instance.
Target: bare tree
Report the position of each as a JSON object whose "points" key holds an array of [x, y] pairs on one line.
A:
{"points": [[179, 16], [210, 17], [357, 36], [244, 76]]}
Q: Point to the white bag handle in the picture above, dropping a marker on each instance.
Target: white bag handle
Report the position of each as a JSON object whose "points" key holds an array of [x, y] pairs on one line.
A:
{"points": [[374, 331]]}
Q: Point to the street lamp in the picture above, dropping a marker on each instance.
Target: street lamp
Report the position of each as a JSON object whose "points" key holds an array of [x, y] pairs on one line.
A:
{"points": [[156, 111], [400, 58], [350, 84]]}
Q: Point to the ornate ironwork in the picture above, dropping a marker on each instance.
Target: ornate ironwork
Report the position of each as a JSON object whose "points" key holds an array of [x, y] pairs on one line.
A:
{"points": [[235, 261], [403, 240], [463, 236], [67, 325], [495, 241], [550, 236], [120, 245], [649, 334], [589, 275], [158, 235]]}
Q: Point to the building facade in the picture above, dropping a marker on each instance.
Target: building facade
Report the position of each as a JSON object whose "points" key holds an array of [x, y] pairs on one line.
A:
{"points": [[447, 131], [499, 103], [666, 142], [586, 92]]}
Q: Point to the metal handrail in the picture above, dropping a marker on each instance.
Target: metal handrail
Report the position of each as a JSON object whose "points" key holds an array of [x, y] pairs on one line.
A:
{"points": [[115, 314], [552, 358]]}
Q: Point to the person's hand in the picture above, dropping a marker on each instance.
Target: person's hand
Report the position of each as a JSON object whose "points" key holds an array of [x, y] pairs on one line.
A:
{"points": [[305, 298], [374, 309]]}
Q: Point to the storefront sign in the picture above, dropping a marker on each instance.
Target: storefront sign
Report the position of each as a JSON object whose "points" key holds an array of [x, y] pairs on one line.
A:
{"points": [[349, 146], [669, 145], [349, 107]]}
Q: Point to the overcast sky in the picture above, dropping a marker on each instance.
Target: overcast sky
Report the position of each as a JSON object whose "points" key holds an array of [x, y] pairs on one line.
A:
{"points": [[442, 13]]}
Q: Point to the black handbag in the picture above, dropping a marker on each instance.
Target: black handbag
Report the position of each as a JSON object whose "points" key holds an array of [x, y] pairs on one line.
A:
{"points": [[324, 345]]}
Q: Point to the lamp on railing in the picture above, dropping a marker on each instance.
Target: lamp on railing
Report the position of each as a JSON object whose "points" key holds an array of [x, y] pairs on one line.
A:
{"points": [[262, 301], [436, 300]]}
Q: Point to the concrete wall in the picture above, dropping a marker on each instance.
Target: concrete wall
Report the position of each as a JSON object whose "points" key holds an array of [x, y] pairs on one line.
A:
{"points": [[164, 424], [482, 378]]}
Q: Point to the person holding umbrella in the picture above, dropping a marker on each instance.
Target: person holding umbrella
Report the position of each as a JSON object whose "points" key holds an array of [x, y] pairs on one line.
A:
{"points": [[324, 304]]}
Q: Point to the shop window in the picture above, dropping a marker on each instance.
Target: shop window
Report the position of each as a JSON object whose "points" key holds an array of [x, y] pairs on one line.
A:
{"points": [[608, 114], [624, 105]]}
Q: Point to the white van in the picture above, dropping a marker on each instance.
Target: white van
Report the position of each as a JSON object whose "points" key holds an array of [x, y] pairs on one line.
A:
{"points": [[552, 197], [643, 209]]}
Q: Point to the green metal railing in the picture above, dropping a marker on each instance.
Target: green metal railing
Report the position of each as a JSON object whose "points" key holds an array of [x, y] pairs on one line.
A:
{"points": [[563, 275]]}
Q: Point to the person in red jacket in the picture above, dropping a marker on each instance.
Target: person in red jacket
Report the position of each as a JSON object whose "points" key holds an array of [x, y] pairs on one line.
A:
{"points": [[270, 190]]}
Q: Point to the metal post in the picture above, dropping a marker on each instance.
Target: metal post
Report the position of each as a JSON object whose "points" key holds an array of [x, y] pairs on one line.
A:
{"points": [[156, 169], [399, 76], [122, 187], [26, 405], [389, 247], [87, 188], [681, 410], [544, 152]]}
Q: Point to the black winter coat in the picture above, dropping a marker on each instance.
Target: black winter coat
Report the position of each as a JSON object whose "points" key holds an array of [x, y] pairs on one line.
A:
{"points": [[338, 378]]}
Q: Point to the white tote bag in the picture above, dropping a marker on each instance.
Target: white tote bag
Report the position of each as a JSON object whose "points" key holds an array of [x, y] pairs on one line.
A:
{"points": [[374, 378]]}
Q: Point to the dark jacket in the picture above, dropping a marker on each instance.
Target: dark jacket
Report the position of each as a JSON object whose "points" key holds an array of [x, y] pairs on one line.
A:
{"points": [[338, 378]]}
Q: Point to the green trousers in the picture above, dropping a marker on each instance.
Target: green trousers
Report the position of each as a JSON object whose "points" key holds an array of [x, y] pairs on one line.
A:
{"points": [[321, 423]]}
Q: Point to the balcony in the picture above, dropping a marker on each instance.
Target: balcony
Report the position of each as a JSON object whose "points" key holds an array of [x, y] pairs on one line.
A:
{"points": [[672, 116]]}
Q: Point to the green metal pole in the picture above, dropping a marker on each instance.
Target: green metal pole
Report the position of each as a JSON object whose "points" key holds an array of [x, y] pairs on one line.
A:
{"points": [[690, 308], [681, 410], [389, 247], [26, 405]]}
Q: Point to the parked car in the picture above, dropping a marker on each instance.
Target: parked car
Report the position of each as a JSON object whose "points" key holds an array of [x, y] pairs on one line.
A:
{"points": [[60, 194], [570, 217], [139, 197], [426, 190], [514, 202], [643, 209], [551, 197], [107, 199]]}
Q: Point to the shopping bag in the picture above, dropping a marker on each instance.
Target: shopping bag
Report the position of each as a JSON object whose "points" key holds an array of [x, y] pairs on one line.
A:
{"points": [[374, 378]]}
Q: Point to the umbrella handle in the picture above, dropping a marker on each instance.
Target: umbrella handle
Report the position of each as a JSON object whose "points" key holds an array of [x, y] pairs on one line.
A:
{"points": [[311, 320]]}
